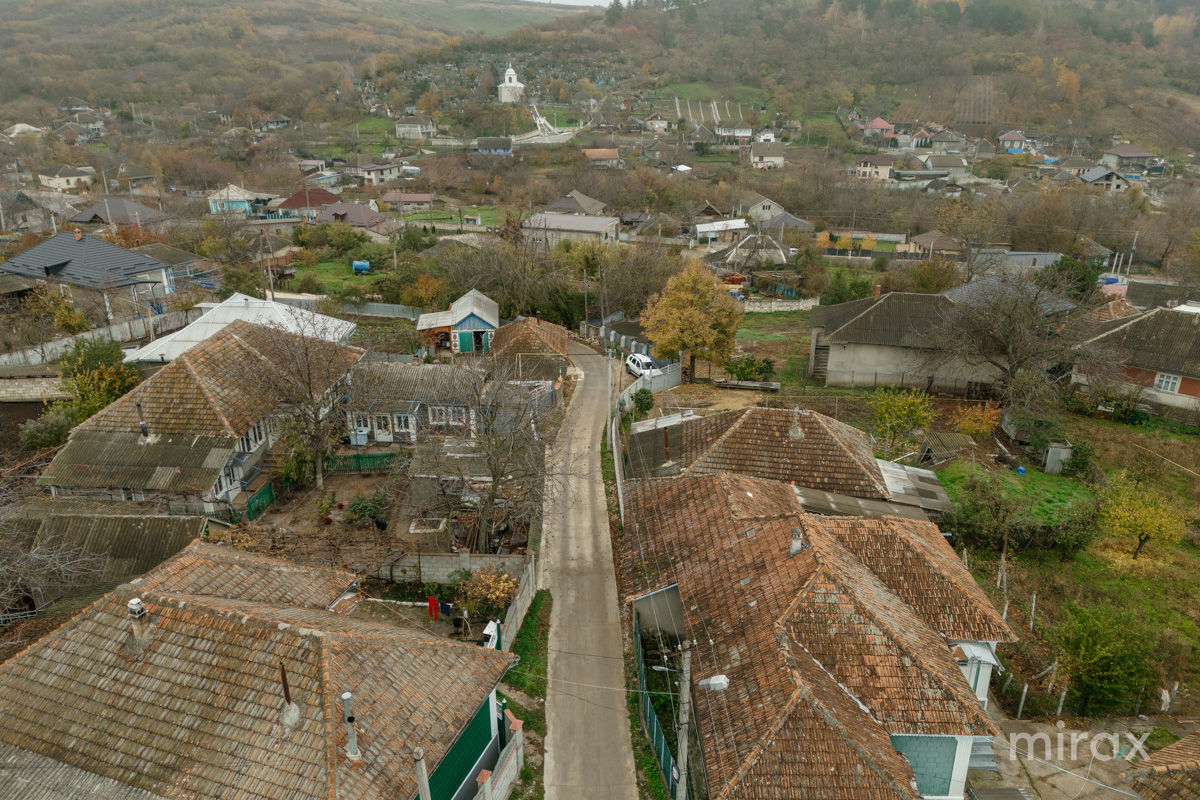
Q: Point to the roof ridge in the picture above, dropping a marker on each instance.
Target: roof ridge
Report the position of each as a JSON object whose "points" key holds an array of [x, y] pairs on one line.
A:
{"points": [[329, 707], [836, 431], [720, 440], [866, 309], [186, 360]]}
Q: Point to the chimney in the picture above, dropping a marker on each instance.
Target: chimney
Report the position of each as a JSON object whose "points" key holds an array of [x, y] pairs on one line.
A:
{"points": [[799, 543], [289, 712], [352, 752], [142, 628], [422, 774], [141, 423], [78, 235]]}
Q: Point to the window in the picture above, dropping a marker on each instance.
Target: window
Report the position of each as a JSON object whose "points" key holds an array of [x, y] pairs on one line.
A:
{"points": [[1165, 382]]}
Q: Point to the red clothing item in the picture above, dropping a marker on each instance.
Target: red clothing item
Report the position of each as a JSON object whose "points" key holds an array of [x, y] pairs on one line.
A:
{"points": [[433, 608]]}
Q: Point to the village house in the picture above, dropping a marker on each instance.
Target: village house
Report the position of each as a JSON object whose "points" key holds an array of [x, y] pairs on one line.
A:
{"points": [[415, 126], [466, 327], [28, 209], [356, 215], [874, 167], [576, 202], [722, 231], [241, 307], [1013, 141], [307, 203], [734, 131], [800, 615], [375, 174], [831, 464], [603, 158], [67, 178], [768, 155], [548, 230], [397, 403], [935, 243], [409, 202], [661, 152], [954, 166], [1158, 357], [1104, 179], [196, 432], [137, 180], [187, 271], [238, 200], [104, 280], [273, 122], [328, 703], [1126, 158], [536, 349], [494, 146], [1172, 773], [656, 122], [889, 341], [757, 208], [119, 211]]}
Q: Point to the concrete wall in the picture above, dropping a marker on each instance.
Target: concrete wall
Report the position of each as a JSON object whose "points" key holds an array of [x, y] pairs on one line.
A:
{"points": [[497, 783], [519, 605], [437, 567], [127, 331], [882, 365]]}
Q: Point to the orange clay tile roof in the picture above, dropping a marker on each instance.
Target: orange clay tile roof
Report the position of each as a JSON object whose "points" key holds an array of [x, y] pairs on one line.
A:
{"points": [[208, 569], [913, 559], [1172, 773], [791, 445], [193, 706], [764, 619], [216, 388]]}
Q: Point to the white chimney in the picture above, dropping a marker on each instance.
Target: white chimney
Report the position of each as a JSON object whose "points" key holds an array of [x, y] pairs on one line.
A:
{"points": [[352, 752], [142, 630], [799, 544]]}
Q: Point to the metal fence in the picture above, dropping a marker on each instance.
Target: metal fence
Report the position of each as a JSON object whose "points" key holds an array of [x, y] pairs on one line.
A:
{"points": [[393, 310], [654, 729], [668, 377], [626, 344], [365, 462], [258, 503]]}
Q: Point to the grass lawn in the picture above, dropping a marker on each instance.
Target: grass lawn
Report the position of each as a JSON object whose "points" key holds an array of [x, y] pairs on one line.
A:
{"points": [[1047, 496], [783, 337], [372, 125], [492, 216], [706, 91], [333, 276], [560, 119], [717, 158], [532, 645]]}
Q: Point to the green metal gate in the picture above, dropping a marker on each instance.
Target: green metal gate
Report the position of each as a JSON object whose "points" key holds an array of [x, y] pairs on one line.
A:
{"points": [[462, 756]]}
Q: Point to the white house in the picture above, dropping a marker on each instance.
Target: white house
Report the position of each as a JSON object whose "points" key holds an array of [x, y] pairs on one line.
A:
{"points": [[550, 229], [66, 178], [415, 126], [767, 155], [510, 89]]}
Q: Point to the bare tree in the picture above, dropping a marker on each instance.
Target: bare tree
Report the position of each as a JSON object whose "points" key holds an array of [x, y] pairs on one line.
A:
{"points": [[302, 375], [500, 467], [1027, 327]]}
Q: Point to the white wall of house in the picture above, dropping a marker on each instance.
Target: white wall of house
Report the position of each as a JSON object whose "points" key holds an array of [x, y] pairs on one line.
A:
{"points": [[885, 365]]}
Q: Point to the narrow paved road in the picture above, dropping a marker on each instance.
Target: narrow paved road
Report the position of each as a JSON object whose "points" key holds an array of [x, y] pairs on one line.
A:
{"points": [[588, 751]]}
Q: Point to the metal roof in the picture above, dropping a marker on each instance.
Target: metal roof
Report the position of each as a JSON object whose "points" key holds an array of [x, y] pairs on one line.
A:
{"points": [[569, 222], [250, 309], [120, 211], [82, 260]]}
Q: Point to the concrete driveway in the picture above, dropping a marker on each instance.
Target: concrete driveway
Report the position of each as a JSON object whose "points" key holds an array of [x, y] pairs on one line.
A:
{"points": [[588, 750]]}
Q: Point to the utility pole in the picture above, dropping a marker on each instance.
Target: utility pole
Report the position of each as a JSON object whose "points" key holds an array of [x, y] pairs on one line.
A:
{"points": [[1132, 250], [685, 708]]}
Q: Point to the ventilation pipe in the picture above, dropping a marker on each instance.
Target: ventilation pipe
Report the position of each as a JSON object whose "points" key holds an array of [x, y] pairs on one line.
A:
{"points": [[352, 752], [141, 422], [423, 792]]}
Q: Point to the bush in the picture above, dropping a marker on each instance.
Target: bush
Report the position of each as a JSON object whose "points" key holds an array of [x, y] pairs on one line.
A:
{"points": [[896, 413], [749, 368], [976, 420], [1083, 455], [1106, 655], [49, 430], [643, 401], [488, 592], [309, 284], [366, 506]]}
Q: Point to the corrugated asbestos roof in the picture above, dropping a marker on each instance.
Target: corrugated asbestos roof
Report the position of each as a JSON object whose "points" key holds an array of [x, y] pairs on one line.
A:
{"points": [[790, 445], [188, 702], [1162, 340], [898, 319], [576, 202], [87, 261], [174, 463], [129, 545], [787, 630]]}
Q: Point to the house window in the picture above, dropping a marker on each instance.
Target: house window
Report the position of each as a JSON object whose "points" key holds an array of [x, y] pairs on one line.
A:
{"points": [[1165, 382]]}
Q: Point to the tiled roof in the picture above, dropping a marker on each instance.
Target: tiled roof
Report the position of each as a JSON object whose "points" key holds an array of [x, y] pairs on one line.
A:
{"points": [[355, 214], [310, 198], [193, 702], [388, 386], [913, 560], [1172, 773], [1162, 340], [898, 319], [211, 390], [761, 617], [209, 569], [790, 445]]}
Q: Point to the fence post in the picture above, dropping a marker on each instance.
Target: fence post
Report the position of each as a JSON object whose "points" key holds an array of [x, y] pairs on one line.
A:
{"points": [[1021, 705], [1032, 609]]}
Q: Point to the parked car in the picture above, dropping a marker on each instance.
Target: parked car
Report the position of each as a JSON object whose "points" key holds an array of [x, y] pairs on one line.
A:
{"points": [[637, 365]]}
